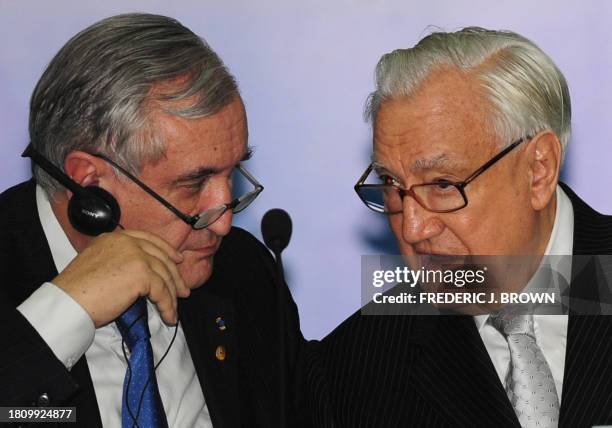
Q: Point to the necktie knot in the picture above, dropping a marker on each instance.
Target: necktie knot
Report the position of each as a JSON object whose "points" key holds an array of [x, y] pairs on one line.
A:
{"points": [[511, 324], [133, 323]]}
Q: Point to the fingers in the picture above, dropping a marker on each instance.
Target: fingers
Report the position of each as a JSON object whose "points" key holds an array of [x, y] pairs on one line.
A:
{"points": [[162, 271], [107, 276], [159, 248], [162, 293], [176, 278], [176, 256]]}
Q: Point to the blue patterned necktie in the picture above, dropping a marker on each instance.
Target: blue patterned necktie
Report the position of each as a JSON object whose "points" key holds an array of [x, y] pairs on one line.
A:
{"points": [[140, 385]]}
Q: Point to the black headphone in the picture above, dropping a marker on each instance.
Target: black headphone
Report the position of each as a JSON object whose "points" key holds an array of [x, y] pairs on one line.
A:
{"points": [[91, 210]]}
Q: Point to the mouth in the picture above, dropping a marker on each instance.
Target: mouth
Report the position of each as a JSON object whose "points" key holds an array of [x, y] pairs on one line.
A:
{"points": [[205, 252], [435, 254], [433, 258]]}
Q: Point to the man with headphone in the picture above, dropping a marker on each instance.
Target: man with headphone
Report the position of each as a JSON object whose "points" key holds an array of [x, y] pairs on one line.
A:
{"points": [[136, 129]]}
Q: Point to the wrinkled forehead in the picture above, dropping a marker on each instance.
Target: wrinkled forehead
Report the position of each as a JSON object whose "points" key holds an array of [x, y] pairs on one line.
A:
{"points": [[230, 121], [447, 121], [218, 141]]}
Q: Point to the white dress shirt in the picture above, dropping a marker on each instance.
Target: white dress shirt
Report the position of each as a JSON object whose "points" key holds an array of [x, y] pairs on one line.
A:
{"points": [[550, 330], [56, 316]]}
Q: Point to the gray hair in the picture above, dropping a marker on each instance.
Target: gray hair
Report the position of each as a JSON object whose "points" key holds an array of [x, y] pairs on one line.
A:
{"points": [[527, 91], [97, 92]]}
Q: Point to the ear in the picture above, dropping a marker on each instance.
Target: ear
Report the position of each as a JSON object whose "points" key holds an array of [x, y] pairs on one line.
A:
{"points": [[87, 170], [544, 154]]}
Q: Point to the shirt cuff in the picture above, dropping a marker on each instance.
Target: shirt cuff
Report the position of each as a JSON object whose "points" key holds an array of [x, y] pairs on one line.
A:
{"points": [[62, 323]]}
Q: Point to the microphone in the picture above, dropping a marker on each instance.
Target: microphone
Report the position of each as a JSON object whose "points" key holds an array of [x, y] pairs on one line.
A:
{"points": [[276, 231]]}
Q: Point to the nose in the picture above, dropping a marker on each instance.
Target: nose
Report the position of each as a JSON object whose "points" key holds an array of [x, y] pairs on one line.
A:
{"points": [[223, 225], [218, 193], [418, 224]]}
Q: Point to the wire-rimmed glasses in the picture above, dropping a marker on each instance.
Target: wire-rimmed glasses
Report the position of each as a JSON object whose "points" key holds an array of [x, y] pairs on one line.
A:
{"points": [[442, 196], [207, 217]]}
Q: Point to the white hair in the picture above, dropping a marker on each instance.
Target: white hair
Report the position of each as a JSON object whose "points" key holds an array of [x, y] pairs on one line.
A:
{"points": [[527, 91]]}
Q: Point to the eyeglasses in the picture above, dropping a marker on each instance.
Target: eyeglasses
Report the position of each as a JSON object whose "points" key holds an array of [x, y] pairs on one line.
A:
{"points": [[442, 196], [207, 217]]}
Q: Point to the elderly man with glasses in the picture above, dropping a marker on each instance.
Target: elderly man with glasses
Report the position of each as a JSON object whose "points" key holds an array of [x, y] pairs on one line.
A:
{"points": [[109, 304], [470, 129]]}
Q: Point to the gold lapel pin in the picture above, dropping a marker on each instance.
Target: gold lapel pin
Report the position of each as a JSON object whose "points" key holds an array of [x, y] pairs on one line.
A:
{"points": [[220, 353]]}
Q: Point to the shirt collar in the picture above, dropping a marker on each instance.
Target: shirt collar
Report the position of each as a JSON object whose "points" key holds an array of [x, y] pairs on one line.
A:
{"points": [[560, 242], [62, 250]]}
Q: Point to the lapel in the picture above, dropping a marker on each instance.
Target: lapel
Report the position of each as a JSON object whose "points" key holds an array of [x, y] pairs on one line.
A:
{"points": [[456, 375], [457, 363], [198, 314], [209, 325], [36, 267], [587, 382], [85, 400]]}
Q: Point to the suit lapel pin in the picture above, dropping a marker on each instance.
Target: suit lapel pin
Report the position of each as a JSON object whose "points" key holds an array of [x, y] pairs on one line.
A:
{"points": [[220, 353], [220, 323]]}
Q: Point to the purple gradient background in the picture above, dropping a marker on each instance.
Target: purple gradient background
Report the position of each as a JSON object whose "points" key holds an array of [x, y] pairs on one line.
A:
{"points": [[305, 69]]}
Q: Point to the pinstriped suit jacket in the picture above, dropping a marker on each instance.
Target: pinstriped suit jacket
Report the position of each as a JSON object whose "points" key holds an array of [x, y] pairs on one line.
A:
{"points": [[426, 371]]}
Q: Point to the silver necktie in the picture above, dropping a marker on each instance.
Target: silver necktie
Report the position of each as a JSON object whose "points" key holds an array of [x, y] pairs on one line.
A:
{"points": [[530, 385]]}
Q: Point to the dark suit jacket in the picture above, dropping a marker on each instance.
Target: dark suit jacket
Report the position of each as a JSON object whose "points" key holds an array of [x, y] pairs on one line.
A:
{"points": [[239, 391], [434, 371]]}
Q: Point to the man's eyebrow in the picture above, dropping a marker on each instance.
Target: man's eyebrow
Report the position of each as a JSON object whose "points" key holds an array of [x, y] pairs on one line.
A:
{"points": [[442, 161], [197, 174], [206, 171], [439, 162], [379, 167]]}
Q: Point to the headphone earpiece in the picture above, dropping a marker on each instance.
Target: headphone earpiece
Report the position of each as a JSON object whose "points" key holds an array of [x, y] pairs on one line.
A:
{"points": [[91, 210], [94, 211]]}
